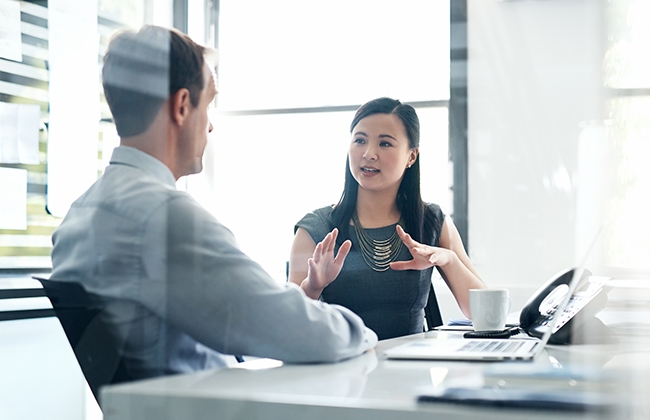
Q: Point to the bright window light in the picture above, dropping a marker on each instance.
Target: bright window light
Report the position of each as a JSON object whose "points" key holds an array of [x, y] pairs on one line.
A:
{"points": [[293, 53]]}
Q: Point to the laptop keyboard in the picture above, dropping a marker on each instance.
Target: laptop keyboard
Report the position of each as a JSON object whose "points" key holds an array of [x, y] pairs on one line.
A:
{"points": [[492, 346]]}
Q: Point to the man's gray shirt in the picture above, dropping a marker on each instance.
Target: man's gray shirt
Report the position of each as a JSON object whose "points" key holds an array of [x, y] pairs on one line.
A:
{"points": [[181, 293]]}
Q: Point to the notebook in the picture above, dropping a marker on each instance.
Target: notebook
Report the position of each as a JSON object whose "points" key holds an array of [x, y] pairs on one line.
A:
{"points": [[444, 347]]}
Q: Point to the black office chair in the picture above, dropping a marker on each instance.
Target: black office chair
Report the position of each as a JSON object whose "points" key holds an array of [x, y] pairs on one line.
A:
{"points": [[95, 348], [432, 311]]}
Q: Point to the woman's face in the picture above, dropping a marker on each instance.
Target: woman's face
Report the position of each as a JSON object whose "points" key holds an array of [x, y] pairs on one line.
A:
{"points": [[379, 152]]}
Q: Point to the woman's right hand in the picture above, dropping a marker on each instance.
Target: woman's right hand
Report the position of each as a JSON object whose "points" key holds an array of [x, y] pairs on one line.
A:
{"points": [[323, 266]]}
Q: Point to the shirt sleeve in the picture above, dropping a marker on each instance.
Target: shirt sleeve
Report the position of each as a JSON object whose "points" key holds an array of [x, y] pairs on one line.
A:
{"points": [[439, 217], [208, 288], [317, 223]]}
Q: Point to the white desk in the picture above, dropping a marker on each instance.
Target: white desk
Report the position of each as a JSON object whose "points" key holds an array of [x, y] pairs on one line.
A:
{"points": [[371, 387]]}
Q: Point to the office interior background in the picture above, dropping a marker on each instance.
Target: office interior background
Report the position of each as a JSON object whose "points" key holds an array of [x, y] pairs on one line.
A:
{"points": [[535, 120]]}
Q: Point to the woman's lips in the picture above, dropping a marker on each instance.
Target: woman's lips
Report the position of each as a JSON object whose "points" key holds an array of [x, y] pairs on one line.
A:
{"points": [[368, 171]]}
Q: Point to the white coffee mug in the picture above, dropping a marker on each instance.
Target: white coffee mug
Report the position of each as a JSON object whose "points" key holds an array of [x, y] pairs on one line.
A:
{"points": [[489, 308]]}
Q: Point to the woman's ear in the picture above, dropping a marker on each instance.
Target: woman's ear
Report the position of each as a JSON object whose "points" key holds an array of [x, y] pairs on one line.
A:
{"points": [[180, 106], [413, 156]]}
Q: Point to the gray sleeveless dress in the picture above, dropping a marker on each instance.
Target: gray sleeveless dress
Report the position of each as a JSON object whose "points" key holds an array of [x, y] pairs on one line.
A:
{"points": [[391, 303]]}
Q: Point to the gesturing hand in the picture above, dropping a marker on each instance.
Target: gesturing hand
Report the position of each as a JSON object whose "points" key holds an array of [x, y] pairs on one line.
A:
{"points": [[424, 256], [323, 266]]}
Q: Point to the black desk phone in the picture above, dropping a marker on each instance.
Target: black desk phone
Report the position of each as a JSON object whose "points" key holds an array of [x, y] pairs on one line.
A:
{"points": [[577, 323]]}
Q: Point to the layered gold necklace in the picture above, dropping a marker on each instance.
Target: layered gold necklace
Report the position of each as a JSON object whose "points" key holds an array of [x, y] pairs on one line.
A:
{"points": [[377, 254]]}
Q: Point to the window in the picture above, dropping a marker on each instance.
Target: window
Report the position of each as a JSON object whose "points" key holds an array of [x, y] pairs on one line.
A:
{"points": [[627, 77], [74, 144], [291, 76]]}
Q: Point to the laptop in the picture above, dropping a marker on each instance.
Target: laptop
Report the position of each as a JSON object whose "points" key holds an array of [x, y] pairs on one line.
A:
{"points": [[449, 346], [452, 347]]}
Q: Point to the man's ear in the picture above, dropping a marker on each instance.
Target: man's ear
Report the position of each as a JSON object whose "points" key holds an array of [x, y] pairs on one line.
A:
{"points": [[180, 106]]}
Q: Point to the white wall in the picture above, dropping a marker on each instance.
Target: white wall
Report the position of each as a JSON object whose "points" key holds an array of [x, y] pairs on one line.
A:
{"points": [[534, 75], [41, 378]]}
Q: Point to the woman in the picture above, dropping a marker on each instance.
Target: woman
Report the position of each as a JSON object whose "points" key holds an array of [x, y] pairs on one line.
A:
{"points": [[386, 276]]}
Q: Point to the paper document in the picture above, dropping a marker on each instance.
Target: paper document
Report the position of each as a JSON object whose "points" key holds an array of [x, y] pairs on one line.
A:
{"points": [[19, 126], [10, 41], [13, 199]]}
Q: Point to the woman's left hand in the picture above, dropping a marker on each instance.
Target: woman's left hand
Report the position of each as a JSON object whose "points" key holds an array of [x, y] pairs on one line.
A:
{"points": [[424, 256]]}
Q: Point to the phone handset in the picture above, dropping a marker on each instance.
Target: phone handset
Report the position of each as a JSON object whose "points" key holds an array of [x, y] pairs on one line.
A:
{"points": [[588, 298]]}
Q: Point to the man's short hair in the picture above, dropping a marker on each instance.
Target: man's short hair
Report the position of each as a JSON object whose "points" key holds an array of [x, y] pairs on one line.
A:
{"points": [[142, 69]]}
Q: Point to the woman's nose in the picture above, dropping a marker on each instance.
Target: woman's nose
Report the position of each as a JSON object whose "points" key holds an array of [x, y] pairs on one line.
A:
{"points": [[370, 153]]}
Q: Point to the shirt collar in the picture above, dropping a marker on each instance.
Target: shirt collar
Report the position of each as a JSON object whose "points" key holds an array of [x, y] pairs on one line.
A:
{"points": [[133, 157]]}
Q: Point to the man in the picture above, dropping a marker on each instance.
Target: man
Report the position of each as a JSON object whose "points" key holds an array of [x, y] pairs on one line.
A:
{"points": [[180, 294]]}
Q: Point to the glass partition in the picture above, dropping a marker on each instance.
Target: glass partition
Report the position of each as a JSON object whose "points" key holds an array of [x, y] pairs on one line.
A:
{"points": [[558, 130]]}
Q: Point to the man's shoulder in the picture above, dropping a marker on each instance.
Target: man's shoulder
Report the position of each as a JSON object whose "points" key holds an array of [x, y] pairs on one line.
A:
{"points": [[130, 193]]}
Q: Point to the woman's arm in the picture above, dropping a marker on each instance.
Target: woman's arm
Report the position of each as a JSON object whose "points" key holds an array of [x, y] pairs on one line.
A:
{"points": [[313, 266], [450, 257], [460, 274], [301, 250]]}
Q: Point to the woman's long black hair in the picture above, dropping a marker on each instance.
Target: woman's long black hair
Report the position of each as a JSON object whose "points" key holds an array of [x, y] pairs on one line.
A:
{"points": [[418, 220]]}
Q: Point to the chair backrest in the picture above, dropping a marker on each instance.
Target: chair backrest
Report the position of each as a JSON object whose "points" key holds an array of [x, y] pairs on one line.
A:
{"points": [[432, 311], [95, 347]]}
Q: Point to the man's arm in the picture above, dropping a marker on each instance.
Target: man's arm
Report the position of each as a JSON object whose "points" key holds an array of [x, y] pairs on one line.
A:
{"points": [[222, 298]]}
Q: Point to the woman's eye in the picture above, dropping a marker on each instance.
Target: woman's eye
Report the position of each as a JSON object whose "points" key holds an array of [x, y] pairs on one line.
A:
{"points": [[385, 144], [360, 141]]}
